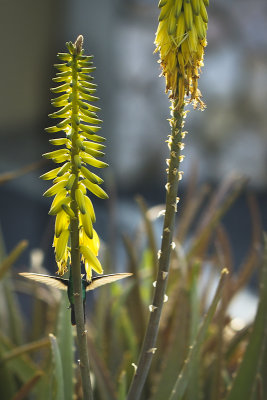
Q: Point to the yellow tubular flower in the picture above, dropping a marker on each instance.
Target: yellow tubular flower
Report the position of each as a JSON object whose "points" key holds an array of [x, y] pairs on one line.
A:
{"points": [[180, 41], [80, 147]]}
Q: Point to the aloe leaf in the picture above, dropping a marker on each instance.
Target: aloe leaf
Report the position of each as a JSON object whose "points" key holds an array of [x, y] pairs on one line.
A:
{"points": [[26, 348], [28, 386], [192, 202], [22, 367], [111, 299], [7, 263], [57, 384], [213, 215], [175, 351], [10, 306], [150, 234], [16, 368], [194, 387], [135, 301], [66, 347], [42, 390], [14, 322], [127, 326], [123, 329], [7, 379], [122, 391], [104, 379], [185, 376], [245, 381]]}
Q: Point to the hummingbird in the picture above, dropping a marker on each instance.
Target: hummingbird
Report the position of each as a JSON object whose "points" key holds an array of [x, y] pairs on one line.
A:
{"points": [[67, 284]]}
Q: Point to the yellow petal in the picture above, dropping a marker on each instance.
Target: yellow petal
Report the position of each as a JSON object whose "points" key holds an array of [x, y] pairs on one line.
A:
{"points": [[50, 174], [91, 258], [59, 199], [62, 223], [95, 189], [88, 271], [61, 245], [55, 188], [79, 196], [87, 224], [90, 208]]}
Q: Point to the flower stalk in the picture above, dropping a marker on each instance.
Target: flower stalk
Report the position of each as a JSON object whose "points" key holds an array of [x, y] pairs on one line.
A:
{"points": [[180, 40], [74, 239], [173, 177]]}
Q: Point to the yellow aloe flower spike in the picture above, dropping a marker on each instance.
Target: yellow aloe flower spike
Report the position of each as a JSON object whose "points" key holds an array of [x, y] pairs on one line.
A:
{"points": [[78, 146], [180, 41]]}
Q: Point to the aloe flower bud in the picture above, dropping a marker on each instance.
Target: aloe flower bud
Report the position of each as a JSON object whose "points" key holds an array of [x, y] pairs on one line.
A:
{"points": [[180, 41], [73, 181]]}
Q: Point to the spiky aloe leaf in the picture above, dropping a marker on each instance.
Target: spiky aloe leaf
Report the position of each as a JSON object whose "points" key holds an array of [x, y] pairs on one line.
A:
{"points": [[21, 367], [28, 387], [246, 379], [122, 386], [12, 257], [7, 379], [174, 355], [185, 376], [57, 384], [9, 309]]}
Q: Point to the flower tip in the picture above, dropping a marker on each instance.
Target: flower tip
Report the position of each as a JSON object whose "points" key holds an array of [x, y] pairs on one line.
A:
{"points": [[225, 271], [79, 44]]}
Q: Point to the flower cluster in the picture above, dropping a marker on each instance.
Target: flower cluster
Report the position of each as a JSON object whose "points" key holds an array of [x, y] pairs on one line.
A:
{"points": [[81, 147], [180, 40]]}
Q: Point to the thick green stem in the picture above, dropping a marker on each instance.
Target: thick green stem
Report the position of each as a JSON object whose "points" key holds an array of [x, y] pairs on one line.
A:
{"points": [[75, 254], [149, 344]]}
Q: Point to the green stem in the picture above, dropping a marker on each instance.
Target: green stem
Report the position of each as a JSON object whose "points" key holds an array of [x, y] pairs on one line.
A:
{"points": [[148, 348], [75, 253]]}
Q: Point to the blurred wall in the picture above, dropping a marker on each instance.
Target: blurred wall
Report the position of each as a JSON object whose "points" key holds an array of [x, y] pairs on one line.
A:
{"points": [[29, 38]]}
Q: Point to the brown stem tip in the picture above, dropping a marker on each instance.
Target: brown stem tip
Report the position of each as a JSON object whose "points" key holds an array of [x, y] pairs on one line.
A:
{"points": [[79, 44]]}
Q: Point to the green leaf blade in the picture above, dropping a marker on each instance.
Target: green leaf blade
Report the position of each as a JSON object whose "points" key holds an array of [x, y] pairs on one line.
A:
{"points": [[245, 380], [57, 386]]}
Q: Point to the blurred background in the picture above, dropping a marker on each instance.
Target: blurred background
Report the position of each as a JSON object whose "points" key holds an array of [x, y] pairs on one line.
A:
{"points": [[228, 137]]}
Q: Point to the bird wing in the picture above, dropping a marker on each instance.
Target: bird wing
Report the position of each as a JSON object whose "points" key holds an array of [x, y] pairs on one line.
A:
{"points": [[53, 281], [98, 281]]}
